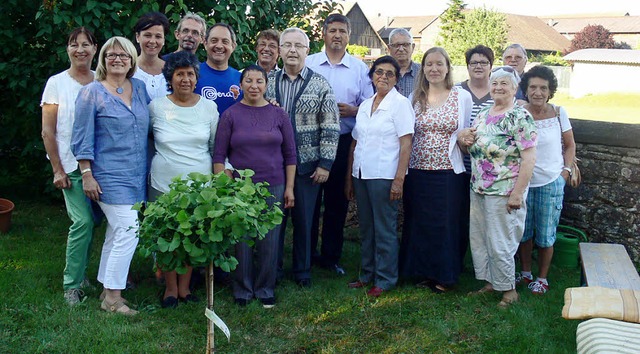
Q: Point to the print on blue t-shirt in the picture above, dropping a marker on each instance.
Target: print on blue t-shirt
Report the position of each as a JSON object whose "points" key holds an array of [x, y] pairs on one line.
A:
{"points": [[221, 87]]}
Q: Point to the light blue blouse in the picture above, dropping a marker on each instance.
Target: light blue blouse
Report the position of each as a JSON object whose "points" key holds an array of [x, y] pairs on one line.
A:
{"points": [[113, 137]]}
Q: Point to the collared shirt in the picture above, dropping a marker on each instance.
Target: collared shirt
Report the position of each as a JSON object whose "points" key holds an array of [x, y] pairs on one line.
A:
{"points": [[405, 84], [378, 135], [270, 72], [113, 136], [349, 79], [289, 89]]}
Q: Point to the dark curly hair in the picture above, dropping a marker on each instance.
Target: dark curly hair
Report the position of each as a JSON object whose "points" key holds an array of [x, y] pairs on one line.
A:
{"points": [[181, 59], [541, 72], [387, 59]]}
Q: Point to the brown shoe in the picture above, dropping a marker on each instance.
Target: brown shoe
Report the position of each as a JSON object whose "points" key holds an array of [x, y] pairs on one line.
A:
{"points": [[507, 299], [484, 290], [117, 307], [357, 284]]}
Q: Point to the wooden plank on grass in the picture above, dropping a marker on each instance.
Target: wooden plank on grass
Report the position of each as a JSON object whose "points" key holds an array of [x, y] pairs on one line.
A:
{"points": [[608, 265]]}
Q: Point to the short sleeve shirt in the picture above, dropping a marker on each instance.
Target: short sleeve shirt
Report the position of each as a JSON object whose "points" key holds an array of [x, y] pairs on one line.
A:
{"points": [[496, 154]]}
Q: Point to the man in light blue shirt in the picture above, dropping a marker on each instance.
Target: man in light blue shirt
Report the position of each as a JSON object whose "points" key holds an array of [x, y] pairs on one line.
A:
{"points": [[349, 79]]}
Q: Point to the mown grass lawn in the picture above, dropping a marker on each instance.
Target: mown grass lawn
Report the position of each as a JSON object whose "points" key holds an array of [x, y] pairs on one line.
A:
{"points": [[618, 107], [327, 318]]}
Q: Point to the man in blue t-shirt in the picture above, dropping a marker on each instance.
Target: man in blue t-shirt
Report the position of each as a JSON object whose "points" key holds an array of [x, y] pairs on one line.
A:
{"points": [[218, 81]]}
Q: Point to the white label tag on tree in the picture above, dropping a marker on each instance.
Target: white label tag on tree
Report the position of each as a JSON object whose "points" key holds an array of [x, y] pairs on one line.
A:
{"points": [[218, 322]]}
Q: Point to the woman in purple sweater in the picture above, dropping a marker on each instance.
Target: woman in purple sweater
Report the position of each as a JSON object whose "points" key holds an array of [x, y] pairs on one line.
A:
{"points": [[256, 135]]}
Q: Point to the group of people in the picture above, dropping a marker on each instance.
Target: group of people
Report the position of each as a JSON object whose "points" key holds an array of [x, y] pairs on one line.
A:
{"points": [[321, 130]]}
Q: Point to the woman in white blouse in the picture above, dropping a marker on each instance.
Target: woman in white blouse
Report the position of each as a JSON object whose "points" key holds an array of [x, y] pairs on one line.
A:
{"points": [[58, 107], [151, 30], [378, 164], [184, 125], [550, 173]]}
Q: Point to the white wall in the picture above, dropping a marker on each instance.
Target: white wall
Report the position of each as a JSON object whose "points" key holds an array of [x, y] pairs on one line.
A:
{"points": [[595, 78]]}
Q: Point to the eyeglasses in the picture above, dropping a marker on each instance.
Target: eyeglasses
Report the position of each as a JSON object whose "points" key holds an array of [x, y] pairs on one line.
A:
{"points": [[389, 74], [122, 56], [513, 57], [193, 33], [265, 45], [400, 45], [482, 63], [297, 46]]}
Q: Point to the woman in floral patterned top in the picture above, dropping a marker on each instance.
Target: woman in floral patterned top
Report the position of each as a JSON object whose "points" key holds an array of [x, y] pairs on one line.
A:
{"points": [[435, 185], [502, 147]]}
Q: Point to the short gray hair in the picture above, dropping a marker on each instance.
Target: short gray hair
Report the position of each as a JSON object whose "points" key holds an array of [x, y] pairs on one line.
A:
{"points": [[295, 30], [402, 32], [515, 46], [505, 71], [195, 17]]}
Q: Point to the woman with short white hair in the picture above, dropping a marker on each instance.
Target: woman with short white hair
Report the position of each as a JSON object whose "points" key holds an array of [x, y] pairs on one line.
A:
{"points": [[502, 148]]}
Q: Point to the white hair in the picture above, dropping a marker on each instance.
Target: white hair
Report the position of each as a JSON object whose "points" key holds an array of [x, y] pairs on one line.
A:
{"points": [[295, 30], [505, 71]]}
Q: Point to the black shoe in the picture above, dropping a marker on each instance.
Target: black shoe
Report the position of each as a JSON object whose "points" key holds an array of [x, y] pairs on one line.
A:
{"points": [[169, 302], [269, 302], [189, 298], [241, 302], [304, 283]]}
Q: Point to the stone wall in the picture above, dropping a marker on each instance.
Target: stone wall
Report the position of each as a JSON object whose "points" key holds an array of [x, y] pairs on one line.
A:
{"points": [[607, 203]]}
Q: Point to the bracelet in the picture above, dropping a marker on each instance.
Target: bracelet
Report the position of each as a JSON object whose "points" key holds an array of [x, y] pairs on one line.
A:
{"points": [[82, 172], [568, 169]]}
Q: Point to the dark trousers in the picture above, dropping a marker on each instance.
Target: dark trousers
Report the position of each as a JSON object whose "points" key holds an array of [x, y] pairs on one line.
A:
{"points": [[335, 207], [306, 194], [258, 280]]}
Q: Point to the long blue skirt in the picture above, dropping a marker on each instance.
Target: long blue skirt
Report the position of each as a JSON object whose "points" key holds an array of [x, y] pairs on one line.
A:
{"points": [[433, 226]]}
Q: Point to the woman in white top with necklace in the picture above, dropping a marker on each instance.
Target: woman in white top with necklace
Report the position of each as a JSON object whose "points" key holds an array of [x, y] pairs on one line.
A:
{"points": [[151, 30], [58, 107]]}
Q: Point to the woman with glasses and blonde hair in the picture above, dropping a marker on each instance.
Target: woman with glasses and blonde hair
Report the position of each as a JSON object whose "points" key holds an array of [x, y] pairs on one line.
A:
{"points": [[502, 148], [110, 143], [430, 251]]}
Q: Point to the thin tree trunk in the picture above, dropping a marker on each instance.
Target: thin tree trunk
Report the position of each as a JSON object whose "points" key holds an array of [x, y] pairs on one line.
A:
{"points": [[210, 342]]}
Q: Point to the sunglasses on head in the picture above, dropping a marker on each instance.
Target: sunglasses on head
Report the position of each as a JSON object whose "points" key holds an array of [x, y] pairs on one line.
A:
{"points": [[508, 69]]}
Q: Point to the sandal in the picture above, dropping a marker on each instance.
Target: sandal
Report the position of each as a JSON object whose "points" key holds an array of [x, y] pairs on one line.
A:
{"points": [[508, 300], [424, 284], [484, 290], [438, 288], [103, 294], [118, 307]]}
